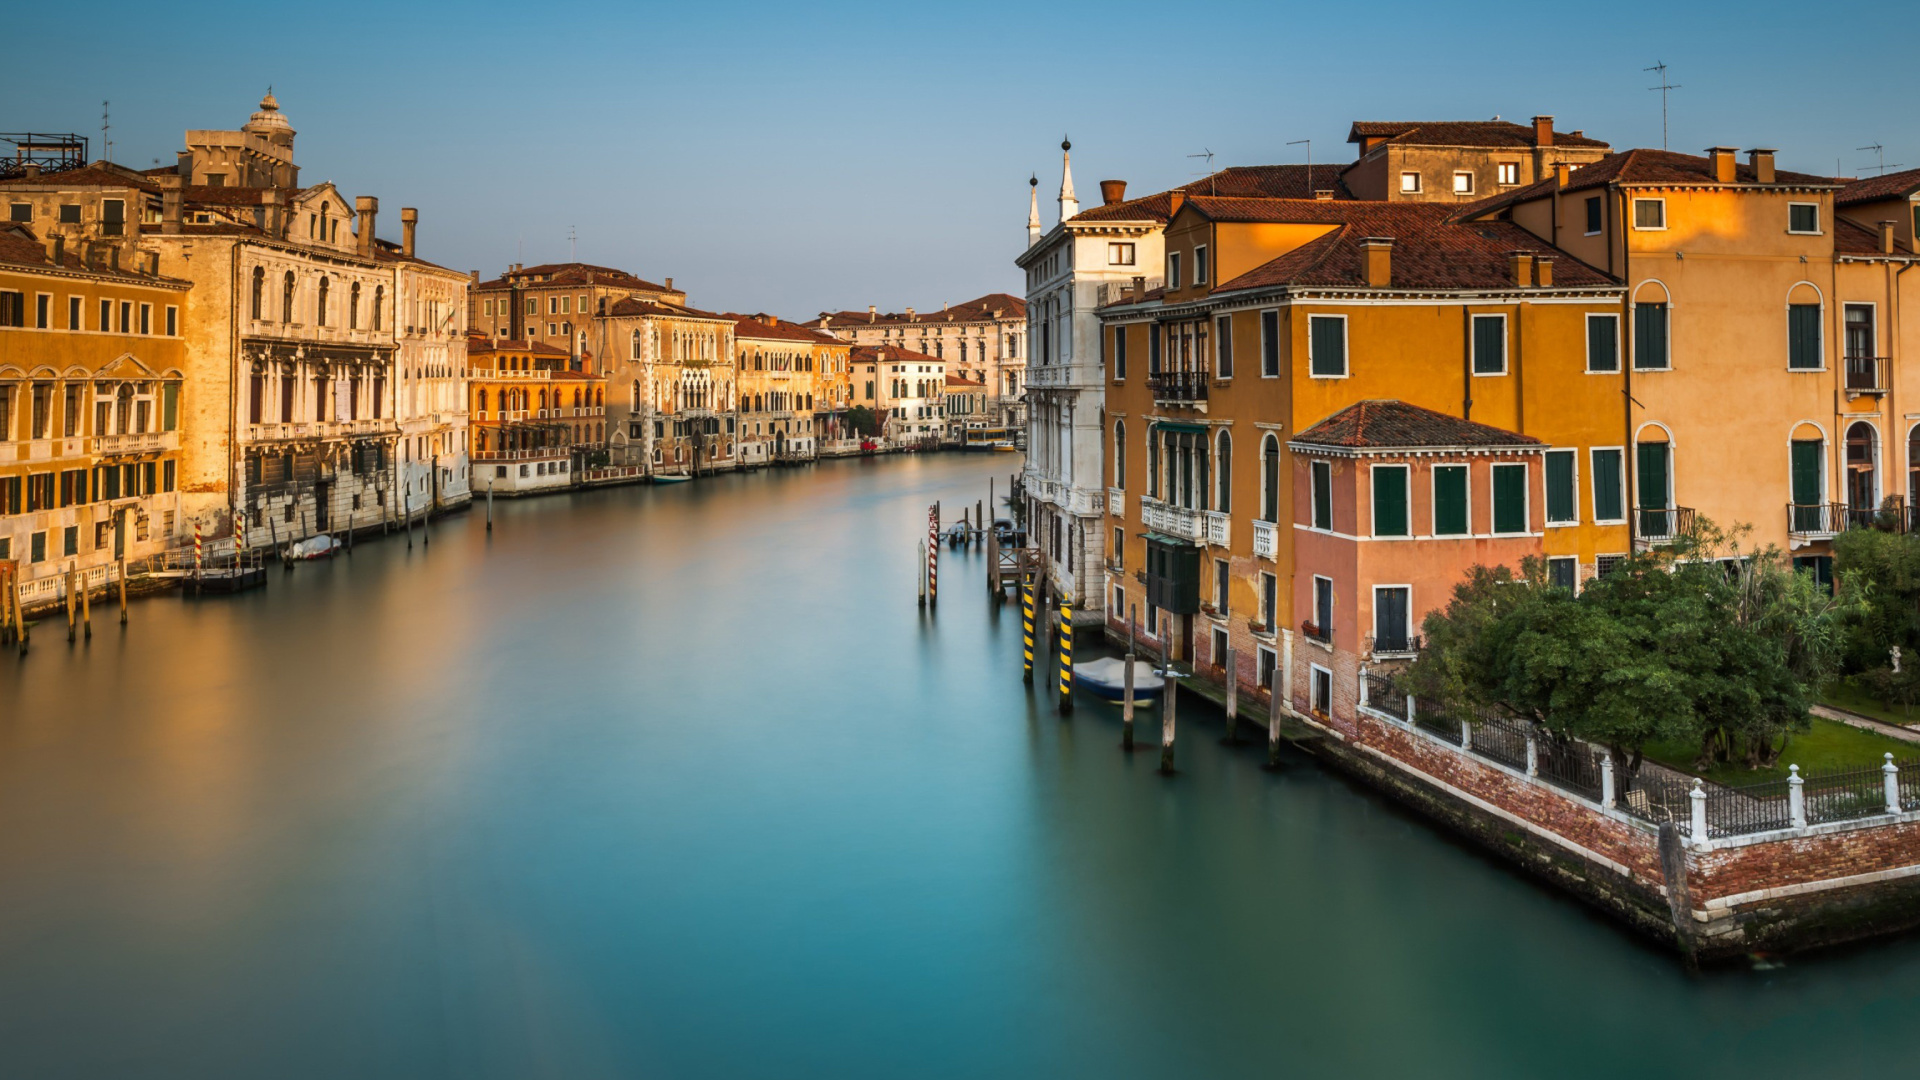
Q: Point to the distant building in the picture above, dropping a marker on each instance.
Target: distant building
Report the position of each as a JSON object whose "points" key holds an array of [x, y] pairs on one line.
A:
{"points": [[981, 339], [906, 391], [1459, 160], [430, 371], [537, 424], [671, 373], [555, 303]]}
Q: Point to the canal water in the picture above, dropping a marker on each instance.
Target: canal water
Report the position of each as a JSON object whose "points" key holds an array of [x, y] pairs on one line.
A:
{"points": [[679, 782]]}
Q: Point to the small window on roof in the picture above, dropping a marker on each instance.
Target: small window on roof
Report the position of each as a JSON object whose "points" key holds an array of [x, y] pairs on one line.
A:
{"points": [[1509, 172], [1463, 183], [69, 213], [21, 212], [1410, 183]]}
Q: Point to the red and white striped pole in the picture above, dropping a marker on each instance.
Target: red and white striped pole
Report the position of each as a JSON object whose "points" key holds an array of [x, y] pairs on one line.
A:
{"points": [[196, 549], [933, 555]]}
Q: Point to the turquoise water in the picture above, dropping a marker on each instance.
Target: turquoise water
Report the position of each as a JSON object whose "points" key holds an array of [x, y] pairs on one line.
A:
{"points": [[679, 782]]}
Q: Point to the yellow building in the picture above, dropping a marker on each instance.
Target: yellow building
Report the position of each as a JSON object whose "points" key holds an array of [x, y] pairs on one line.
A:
{"points": [[536, 423], [556, 304], [776, 364], [670, 370], [91, 363]]}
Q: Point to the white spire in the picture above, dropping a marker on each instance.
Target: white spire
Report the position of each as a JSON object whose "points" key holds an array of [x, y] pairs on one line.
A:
{"points": [[1033, 210], [1069, 205]]}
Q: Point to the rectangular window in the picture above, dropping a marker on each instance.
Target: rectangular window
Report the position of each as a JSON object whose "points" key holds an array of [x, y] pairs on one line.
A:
{"points": [[1219, 647], [1221, 579], [1322, 691], [1269, 599], [1509, 172], [1463, 183], [1390, 516], [1153, 348], [1806, 486], [1563, 502], [1650, 337], [1489, 344], [37, 547], [1563, 573], [1322, 495], [1200, 265], [1509, 499], [1270, 344], [1173, 269], [1223, 347], [1649, 213], [21, 212], [1392, 618], [1327, 346], [69, 213], [1323, 607], [1803, 217], [43, 312], [167, 475], [1803, 337], [1593, 216], [1410, 183], [113, 217], [173, 321], [126, 316], [1450, 500], [1119, 352], [106, 316], [1652, 471], [13, 309], [169, 406], [1120, 254], [1265, 663], [1603, 343], [73, 313], [146, 318]]}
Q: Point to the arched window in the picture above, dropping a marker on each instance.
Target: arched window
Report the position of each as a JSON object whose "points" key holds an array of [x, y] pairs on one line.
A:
{"points": [[1120, 454], [286, 298], [379, 296], [1270, 479], [1153, 463], [320, 306], [259, 289], [635, 402], [1863, 481], [1223, 474], [353, 307], [483, 399]]}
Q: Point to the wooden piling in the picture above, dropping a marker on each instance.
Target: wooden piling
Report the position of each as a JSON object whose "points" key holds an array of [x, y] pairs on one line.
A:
{"points": [[920, 569], [1026, 631], [489, 504], [86, 609], [1168, 699], [72, 626], [1126, 705], [1066, 657], [993, 564], [123, 591], [1273, 723], [20, 616], [1233, 700]]}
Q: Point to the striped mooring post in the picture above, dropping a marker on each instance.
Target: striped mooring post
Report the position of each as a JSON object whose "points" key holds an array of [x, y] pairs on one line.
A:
{"points": [[1066, 657], [196, 549], [933, 556], [1026, 630]]}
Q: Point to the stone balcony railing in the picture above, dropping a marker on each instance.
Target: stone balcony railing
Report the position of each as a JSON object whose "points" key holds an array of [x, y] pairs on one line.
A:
{"points": [[318, 429], [1116, 501], [1219, 528], [136, 442], [1176, 521], [1266, 540]]}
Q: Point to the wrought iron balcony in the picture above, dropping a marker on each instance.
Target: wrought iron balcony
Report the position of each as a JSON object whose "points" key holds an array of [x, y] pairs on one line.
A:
{"points": [[1867, 374], [1403, 645], [1652, 525], [1313, 631], [1179, 387]]}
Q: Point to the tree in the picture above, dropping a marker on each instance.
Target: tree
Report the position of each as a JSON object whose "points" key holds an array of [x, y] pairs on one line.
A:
{"points": [[1882, 569], [861, 421]]}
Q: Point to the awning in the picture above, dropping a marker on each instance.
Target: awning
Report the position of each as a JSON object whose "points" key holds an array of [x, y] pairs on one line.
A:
{"points": [[1175, 425], [1163, 538]]}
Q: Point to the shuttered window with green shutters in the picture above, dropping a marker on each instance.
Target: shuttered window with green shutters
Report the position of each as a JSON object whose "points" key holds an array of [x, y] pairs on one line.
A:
{"points": [[1390, 517], [169, 406], [1328, 344], [1603, 343], [1450, 500], [1489, 344], [1563, 505], [1803, 337], [1322, 496], [1509, 498], [1807, 516], [1650, 337], [1609, 498]]}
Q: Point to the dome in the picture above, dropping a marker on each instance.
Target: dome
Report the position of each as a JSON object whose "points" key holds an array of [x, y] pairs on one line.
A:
{"points": [[268, 119]]}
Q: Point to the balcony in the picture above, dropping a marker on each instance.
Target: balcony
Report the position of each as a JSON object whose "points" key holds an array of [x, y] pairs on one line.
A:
{"points": [[1398, 647], [1219, 528], [1266, 540], [1116, 501], [1177, 521], [136, 443], [1867, 375], [1822, 521], [1180, 387], [1313, 631], [318, 429], [1654, 526]]}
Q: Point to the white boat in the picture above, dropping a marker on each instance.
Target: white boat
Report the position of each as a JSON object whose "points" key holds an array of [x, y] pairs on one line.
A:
{"points": [[317, 547], [1106, 678]]}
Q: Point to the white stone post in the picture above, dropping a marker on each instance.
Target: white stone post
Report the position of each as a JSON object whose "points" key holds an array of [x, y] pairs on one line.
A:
{"points": [[1606, 781], [1363, 686], [1892, 773], [1466, 735], [1699, 797], [1796, 797], [1533, 757]]}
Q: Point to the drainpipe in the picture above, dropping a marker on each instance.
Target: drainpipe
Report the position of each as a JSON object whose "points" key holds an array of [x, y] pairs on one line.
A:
{"points": [[1466, 363], [1893, 338], [1629, 456]]}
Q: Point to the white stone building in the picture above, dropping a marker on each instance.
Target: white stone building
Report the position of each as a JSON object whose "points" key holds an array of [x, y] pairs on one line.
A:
{"points": [[430, 376]]}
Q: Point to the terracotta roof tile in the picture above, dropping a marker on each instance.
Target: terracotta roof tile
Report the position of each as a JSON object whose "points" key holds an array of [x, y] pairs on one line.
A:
{"points": [[1894, 185], [980, 309], [1462, 133], [1852, 238], [1238, 181], [1392, 424], [97, 174], [19, 247]]}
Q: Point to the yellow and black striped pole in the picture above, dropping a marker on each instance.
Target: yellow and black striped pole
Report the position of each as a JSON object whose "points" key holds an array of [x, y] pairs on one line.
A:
{"points": [[1066, 656], [1026, 629]]}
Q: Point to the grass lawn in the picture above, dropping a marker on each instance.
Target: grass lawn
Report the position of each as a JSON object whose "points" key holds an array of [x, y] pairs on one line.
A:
{"points": [[1829, 745], [1844, 695]]}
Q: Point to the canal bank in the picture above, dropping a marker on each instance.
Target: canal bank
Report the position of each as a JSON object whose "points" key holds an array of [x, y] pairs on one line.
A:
{"points": [[678, 781]]}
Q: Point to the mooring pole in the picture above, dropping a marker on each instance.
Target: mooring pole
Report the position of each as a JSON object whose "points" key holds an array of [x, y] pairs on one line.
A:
{"points": [[1026, 630], [489, 504], [123, 591], [1273, 722], [71, 625], [933, 556], [920, 569], [20, 615], [1233, 700], [1126, 704], [993, 564], [1066, 657], [86, 608], [1168, 698]]}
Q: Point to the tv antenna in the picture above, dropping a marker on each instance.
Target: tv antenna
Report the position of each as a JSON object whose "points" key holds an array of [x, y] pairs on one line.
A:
{"points": [[1880, 159], [1309, 145], [106, 127], [573, 245], [1660, 67], [1208, 154]]}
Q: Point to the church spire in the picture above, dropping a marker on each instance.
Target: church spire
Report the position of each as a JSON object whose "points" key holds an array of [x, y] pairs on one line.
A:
{"points": [[1069, 204], [1033, 210]]}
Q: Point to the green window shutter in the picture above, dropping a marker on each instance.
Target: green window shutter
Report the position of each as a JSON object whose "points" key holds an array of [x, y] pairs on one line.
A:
{"points": [[1806, 472], [1390, 500], [1562, 505], [1329, 345], [1652, 476], [1650, 336], [1489, 345], [1509, 498], [1450, 500], [1803, 336], [1322, 495], [170, 406], [1606, 486], [1270, 344], [1603, 344]]}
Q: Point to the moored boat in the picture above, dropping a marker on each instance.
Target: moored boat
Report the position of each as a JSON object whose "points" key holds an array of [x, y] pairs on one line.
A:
{"points": [[1105, 678]]}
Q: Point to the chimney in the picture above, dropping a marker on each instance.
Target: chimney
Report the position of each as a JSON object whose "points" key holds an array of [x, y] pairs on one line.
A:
{"points": [[1562, 172], [59, 250], [1723, 168], [183, 165], [1323, 194], [172, 197], [1378, 253], [1520, 268], [910, 317], [1543, 131], [113, 257], [1762, 162], [30, 171], [1112, 191], [270, 212], [1886, 237], [409, 221], [1175, 200], [873, 313], [1139, 287], [1543, 271], [368, 208], [52, 244], [473, 276], [669, 284]]}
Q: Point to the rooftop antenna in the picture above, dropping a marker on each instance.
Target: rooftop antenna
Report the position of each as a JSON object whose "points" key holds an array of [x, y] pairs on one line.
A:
{"points": [[573, 245], [1660, 66], [1880, 159], [1309, 144], [1208, 154], [106, 127]]}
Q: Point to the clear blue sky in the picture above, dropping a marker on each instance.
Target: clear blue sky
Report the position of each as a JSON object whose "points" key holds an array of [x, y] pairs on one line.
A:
{"points": [[791, 158]]}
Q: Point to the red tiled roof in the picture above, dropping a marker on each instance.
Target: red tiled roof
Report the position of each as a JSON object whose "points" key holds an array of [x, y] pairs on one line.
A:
{"points": [[94, 175], [1852, 238], [955, 380], [1462, 133], [633, 305], [573, 273], [1894, 185], [752, 327], [1383, 425], [1639, 166], [19, 247], [980, 309], [870, 353], [207, 195], [1238, 181]]}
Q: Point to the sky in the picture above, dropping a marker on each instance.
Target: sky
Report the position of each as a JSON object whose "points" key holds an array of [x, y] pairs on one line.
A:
{"points": [[795, 158]]}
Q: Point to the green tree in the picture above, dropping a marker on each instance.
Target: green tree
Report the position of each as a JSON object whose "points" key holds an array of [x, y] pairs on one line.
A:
{"points": [[861, 421], [1882, 569]]}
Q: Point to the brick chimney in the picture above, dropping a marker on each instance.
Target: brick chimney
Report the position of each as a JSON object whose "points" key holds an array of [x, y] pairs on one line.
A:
{"points": [[1175, 200], [1723, 167], [1762, 162], [183, 164], [30, 171], [1543, 271], [1520, 268], [1139, 286], [873, 313], [57, 249], [1886, 237], [669, 284], [1562, 173], [409, 221], [1378, 255], [1543, 131], [368, 209], [172, 201], [1112, 191]]}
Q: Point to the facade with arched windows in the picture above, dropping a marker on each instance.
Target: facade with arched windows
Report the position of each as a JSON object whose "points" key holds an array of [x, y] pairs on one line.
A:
{"points": [[433, 470], [536, 424], [793, 394], [981, 341], [677, 367]]}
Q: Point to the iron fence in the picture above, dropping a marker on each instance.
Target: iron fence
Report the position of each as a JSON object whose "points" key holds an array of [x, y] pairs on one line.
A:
{"points": [[1752, 808], [1657, 795], [1430, 717], [1569, 764], [1843, 796], [1386, 697], [1502, 739]]}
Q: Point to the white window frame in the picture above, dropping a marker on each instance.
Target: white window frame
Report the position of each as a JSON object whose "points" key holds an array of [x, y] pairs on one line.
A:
{"points": [[1373, 613], [1817, 229], [1433, 498], [1410, 189], [1575, 560], [1314, 672], [1313, 604], [1313, 474], [1373, 527], [1637, 227], [1268, 614], [1500, 171], [1573, 451], [1603, 215], [1278, 366], [173, 320], [1221, 595], [1268, 660], [1173, 269], [1346, 342], [37, 298], [1120, 603], [1473, 362], [1619, 347], [1200, 264], [1460, 175], [1593, 493], [1526, 500]]}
